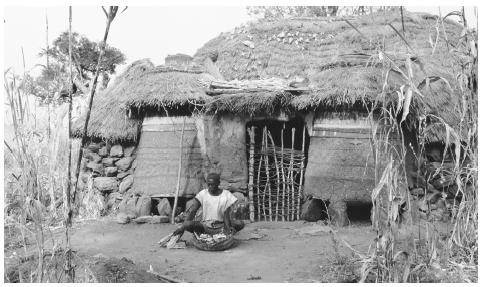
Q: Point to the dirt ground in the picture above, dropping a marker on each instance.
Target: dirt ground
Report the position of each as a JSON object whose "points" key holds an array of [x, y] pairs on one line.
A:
{"points": [[265, 251]]}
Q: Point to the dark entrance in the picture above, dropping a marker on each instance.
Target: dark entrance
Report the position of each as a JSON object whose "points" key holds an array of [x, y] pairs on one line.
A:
{"points": [[359, 212], [277, 157]]}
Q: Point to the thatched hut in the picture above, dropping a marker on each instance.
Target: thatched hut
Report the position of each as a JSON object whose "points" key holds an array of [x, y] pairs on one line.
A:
{"points": [[341, 61], [153, 102], [279, 108]]}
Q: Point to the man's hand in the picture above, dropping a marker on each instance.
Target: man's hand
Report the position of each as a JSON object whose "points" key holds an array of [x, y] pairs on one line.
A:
{"points": [[229, 230], [179, 230]]}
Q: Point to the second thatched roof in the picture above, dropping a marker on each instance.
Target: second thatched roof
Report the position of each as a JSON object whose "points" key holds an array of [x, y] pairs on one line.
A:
{"points": [[344, 59]]}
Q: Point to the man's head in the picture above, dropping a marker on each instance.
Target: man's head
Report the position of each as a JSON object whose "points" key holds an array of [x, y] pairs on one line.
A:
{"points": [[213, 181]]}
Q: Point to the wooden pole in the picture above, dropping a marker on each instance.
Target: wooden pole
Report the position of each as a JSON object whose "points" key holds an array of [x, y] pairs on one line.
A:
{"points": [[283, 175], [173, 215], [268, 181], [22, 111], [290, 209], [258, 184], [69, 269], [277, 176], [251, 132], [300, 188], [47, 55], [110, 17]]}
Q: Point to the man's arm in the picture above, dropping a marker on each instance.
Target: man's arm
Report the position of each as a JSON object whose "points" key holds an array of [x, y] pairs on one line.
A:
{"points": [[191, 213], [227, 220]]}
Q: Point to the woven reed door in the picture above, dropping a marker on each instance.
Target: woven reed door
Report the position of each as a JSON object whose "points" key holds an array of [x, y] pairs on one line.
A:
{"points": [[275, 175]]}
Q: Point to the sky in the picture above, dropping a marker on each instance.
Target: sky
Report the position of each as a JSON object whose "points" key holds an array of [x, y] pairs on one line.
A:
{"points": [[140, 32]]}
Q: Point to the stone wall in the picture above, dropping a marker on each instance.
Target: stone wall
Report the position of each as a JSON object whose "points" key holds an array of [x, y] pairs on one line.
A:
{"points": [[110, 168], [340, 164]]}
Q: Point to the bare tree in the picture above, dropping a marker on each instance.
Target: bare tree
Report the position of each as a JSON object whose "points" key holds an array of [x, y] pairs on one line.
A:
{"points": [[110, 17]]}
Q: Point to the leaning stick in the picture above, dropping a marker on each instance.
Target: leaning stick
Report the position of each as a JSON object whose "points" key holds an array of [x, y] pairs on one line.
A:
{"points": [[178, 172], [268, 183], [277, 176], [293, 131], [251, 173], [265, 186], [258, 184], [283, 175], [300, 189]]}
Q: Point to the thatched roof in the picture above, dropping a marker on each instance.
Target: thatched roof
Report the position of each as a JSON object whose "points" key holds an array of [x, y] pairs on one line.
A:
{"points": [[165, 87], [332, 63], [339, 64], [306, 46], [141, 86], [108, 119]]}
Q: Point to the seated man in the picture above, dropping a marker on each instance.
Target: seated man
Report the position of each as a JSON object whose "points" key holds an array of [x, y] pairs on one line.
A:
{"points": [[216, 206]]}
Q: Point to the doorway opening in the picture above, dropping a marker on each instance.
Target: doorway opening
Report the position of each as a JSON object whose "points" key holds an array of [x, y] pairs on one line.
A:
{"points": [[277, 153], [359, 212]]}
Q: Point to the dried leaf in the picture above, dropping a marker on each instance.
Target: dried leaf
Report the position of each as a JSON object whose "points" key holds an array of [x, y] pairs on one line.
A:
{"points": [[406, 104], [394, 211], [406, 273], [385, 83], [382, 182], [453, 13], [436, 39], [383, 241], [409, 69], [400, 99], [457, 150], [473, 48]]}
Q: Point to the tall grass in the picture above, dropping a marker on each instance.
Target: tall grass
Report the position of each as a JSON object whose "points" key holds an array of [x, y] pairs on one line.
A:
{"points": [[41, 171], [409, 248], [34, 175]]}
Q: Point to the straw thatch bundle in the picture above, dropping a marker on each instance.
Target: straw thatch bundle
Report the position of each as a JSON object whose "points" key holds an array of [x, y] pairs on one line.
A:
{"points": [[166, 87], [250, 103]]}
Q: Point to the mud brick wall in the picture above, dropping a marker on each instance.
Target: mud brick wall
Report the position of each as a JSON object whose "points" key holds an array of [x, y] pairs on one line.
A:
{"points": [[223, 145], [158, 158], [340, 163]]}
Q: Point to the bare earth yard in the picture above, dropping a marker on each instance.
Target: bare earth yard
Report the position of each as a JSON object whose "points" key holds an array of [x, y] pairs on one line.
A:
{"points": [[266, 251]]}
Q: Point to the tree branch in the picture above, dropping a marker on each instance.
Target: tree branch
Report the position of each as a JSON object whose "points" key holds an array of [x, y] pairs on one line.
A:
{"points": [[110, 18], [105, 12]]}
